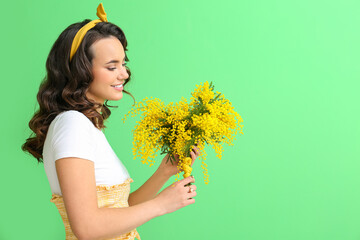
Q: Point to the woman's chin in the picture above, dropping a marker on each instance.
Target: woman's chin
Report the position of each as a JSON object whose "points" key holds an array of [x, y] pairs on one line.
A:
{"points": [[116, 98]]}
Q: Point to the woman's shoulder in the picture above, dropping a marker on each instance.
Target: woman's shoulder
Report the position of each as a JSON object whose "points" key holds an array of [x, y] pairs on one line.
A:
{"points": [[72, 117], [71, 114]]}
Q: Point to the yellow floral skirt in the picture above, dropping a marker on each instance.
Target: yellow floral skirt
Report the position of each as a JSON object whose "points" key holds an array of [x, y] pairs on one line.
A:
{"points": [[115, 196]]}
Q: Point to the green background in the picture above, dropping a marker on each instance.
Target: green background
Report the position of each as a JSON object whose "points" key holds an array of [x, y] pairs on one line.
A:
{"points": [[290, 69]]}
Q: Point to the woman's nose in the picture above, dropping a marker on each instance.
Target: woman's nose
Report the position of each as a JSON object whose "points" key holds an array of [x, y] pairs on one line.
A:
{"points": [[123, 73]]}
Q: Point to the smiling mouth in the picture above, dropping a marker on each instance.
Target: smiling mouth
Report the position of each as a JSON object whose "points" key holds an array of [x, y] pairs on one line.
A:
{"points": [[117, 86]]}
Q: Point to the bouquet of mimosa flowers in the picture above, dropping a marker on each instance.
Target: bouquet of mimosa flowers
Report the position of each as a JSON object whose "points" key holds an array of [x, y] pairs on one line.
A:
{"points": [[175, 128]]}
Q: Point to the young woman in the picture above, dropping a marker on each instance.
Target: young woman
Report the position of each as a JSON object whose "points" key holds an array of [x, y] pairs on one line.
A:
{"points": [[90, 185]]}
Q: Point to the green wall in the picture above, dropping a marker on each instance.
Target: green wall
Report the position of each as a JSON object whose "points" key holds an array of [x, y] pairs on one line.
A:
{"points": [[291, 70]]}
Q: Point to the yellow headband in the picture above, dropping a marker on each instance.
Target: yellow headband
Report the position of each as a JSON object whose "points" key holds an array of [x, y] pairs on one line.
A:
{"points": [[81, 33]]}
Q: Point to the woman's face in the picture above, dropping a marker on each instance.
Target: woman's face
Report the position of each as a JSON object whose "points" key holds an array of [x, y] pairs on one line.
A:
{"points": [[108, 68]]}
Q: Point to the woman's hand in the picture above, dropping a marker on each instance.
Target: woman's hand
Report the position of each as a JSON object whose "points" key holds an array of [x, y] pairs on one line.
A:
{"points": [[169, 169], [176, 196]]}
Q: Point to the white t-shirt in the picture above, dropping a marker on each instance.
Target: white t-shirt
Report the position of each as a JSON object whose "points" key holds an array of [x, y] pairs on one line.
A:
{"points": [[72, 134]]}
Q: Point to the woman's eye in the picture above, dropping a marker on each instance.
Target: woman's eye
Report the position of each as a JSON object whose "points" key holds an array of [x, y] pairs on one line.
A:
{"points": [[112, 69]]}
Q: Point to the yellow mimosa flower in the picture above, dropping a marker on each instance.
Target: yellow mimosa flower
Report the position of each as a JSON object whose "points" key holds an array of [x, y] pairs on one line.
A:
{"points": [[175, 128]]}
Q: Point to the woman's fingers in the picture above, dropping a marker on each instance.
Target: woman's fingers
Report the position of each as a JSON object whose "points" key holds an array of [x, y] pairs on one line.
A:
{"points": [[193, 155], [187, 180], [193, 187], [191, 192], [196, 151]]}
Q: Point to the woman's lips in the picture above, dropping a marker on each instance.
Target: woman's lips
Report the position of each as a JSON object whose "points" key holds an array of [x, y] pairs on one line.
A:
{"points": [[118, 87]]}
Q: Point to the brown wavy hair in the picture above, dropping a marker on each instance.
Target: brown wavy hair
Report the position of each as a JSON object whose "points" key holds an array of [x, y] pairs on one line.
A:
{"points": [[66, 83]]}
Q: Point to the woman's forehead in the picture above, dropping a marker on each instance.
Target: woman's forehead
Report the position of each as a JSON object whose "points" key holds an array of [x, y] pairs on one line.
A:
{"points": [[107, 49]]}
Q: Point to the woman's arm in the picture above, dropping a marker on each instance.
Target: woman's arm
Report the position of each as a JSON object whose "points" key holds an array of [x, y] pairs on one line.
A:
{"points": [[78, 186], [88, 222], [150, 188]]}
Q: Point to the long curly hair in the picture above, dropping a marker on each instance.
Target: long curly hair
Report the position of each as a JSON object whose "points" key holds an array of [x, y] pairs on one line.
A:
{"points": [[65, 85]]}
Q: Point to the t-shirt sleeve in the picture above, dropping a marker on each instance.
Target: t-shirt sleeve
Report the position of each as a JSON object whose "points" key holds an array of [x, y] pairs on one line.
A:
{"points": [[73, 136]]}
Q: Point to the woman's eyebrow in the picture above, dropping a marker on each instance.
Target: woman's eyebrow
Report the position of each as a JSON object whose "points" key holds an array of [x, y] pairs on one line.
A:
{"points": [[114, 61]]}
